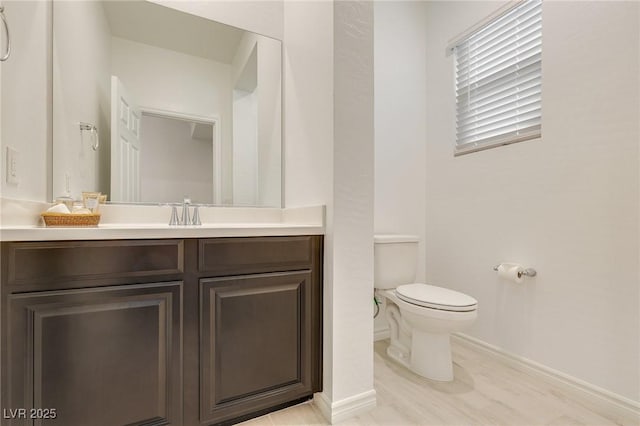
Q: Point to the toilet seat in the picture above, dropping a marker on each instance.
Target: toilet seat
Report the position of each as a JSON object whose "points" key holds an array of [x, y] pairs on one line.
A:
{"points": [[430, 296]]}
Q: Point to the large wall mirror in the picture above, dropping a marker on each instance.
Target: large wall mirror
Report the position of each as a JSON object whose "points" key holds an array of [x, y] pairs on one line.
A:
{"points": [[151, 104]]}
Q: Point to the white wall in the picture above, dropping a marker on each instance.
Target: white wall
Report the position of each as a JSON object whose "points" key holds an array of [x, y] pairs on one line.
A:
{"points": [[81, 93], [400, 131], [206, 91], [25, 99], [566, 204], [353, 164], [167, 141]]}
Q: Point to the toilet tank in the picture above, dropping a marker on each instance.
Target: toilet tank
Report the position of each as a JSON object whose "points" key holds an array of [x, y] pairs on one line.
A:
{"points": [[395, 260]]}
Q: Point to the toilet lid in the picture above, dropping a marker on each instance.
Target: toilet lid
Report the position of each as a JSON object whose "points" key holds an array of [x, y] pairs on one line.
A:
{"points": [[434, 297]]}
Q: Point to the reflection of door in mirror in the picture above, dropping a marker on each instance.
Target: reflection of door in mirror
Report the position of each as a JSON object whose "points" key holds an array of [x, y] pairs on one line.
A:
{"points": [[125, 144]]}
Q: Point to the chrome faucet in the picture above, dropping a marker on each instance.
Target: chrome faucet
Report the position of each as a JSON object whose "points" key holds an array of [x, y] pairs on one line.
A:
{"points": [[174, 216], [195, 219], [185, 220]]}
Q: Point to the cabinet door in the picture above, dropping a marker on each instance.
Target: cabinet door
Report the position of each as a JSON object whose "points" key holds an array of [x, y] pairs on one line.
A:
{"points": [[255, 343], [98, 356]]}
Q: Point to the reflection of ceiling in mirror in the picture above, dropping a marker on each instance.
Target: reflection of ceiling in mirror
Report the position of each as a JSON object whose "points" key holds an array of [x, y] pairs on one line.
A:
{"points": [[167, 28]]}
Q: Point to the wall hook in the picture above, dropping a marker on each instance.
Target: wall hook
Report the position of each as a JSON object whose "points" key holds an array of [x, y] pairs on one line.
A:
{"points": [[94, 134]]}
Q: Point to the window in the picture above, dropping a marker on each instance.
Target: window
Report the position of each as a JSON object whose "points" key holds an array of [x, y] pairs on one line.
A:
{"points": [[498, 80]]}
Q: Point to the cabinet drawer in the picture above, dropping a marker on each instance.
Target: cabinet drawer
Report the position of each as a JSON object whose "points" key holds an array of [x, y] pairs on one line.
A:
{"points": [[64, 261], [234, 256]]}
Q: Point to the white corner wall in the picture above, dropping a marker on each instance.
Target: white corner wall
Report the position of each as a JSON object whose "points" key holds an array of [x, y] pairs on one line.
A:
{"points": [[353, 175], [25, 99], [566, 204], [329, 160]]}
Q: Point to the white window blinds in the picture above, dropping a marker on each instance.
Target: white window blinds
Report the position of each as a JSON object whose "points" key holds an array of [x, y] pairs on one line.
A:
{"points": [[498, 80]]}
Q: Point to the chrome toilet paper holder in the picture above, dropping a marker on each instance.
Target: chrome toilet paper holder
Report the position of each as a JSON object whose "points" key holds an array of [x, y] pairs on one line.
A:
{"points": [[527, 272]]}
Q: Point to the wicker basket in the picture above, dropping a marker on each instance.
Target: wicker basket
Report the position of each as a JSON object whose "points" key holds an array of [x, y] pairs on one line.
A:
{"points": [[66, 219]]}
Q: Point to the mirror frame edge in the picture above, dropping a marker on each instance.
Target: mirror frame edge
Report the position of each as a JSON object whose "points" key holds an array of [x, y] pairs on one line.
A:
{"points": [[49, 100]]}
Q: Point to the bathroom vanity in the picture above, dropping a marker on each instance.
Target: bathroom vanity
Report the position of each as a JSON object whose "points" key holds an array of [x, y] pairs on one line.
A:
{"points": [[180, 331], [138, 322]]}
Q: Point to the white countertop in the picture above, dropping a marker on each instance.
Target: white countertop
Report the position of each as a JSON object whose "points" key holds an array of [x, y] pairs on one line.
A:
{"points": [[20, 221], [144, 231]]}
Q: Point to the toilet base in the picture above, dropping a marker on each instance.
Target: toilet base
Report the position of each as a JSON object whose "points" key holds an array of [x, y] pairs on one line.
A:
{"points": [[429, 357]]}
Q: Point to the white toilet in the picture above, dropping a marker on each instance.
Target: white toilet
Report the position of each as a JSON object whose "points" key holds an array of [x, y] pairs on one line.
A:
{"points": [[421, 317]]}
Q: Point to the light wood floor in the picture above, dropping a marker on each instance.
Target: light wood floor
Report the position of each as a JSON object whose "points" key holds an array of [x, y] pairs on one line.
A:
{"points": [[484, 392]]}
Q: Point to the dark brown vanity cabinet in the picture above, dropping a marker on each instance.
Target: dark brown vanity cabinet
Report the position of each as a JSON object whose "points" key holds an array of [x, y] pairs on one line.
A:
{"points": [[154, 332], [92, 333], [260, 324]]}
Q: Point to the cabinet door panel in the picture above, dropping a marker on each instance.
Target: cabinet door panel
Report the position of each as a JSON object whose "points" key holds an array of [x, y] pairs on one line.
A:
{"points": [[255, 343], [103, 356]]}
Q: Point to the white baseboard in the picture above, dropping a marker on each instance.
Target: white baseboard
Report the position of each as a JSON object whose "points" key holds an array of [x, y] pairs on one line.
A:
{"points": [[346, 408], [613, 405]]}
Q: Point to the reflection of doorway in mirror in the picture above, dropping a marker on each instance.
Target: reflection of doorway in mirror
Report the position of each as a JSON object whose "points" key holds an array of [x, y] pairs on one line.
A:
{"points": [[181, 157]]}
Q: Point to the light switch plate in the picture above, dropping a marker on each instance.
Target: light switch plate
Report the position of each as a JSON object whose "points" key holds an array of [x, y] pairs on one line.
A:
{"points": [[12, 166]]}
